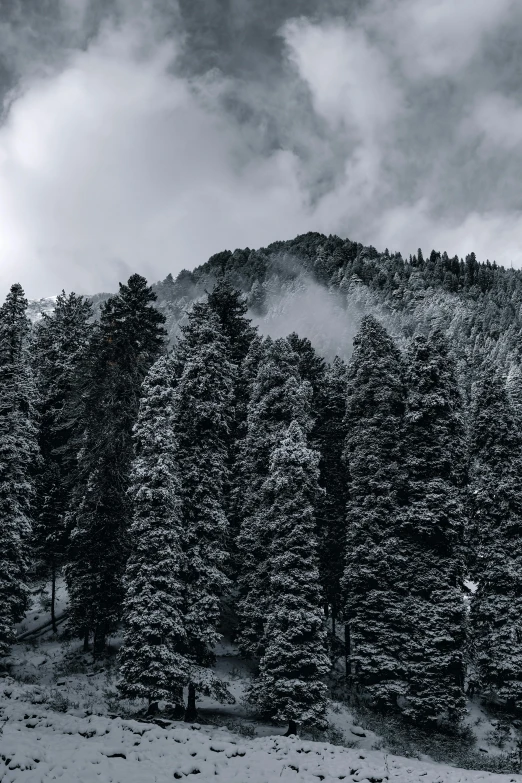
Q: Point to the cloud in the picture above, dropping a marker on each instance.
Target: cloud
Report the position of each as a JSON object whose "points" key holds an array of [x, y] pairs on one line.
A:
{"points": [[145, 136], [435, 38], [497, 119], [117, 164], [305, 307]]}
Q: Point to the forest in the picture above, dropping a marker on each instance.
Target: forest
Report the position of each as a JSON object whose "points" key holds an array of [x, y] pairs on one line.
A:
{"points": [[355, 518]]}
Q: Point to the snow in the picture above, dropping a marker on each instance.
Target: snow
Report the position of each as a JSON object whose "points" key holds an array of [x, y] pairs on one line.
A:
{"points": [[37, 307], [61, 719], [39, 745]]}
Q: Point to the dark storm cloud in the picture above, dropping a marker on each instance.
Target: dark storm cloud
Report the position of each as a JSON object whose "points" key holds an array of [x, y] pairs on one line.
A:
{"points": [[148, 135]]}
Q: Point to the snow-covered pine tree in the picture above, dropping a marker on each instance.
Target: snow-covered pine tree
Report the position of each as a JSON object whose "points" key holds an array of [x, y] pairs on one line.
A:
{"points": [[18, 455], [278, 396], [496, 503], [128, 339], [58, 349], [374, 461], [202, 419], [152, 659], [331, 508], [229, 305], [432, 572], [290, 686]]}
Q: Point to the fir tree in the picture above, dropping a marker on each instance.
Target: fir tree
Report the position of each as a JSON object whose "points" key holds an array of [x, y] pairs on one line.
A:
{"points": [[331, 508], [18, 455], [433, 610], [373, 455], [202, 417], [277, 398], [496, 608], [152, 659], [290, 686], [125, 344], [58, 350], [228, 304]]}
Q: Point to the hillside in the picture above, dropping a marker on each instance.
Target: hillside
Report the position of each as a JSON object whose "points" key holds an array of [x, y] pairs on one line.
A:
{"points": [[320, 286]]}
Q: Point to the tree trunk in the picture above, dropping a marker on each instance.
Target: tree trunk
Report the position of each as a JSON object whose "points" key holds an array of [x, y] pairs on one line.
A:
{"points": [[191, 712], [347, 651], [292, 728], [333, 624], [53, 597], [86, 640], [153, 708], [98, 642]]}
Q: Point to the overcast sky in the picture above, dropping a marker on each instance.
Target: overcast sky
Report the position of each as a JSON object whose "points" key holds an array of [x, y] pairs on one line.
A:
{"points": [[141, 135]]}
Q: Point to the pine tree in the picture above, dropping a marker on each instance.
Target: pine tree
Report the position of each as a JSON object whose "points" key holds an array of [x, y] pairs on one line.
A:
{"points": [[153, 665], [496, 607], [277, 398], [290, 686], [125, 344], [331, 508], [433, 609], [202, 419], [228, 304], [18, 455], [58, 350], [373, 455]]}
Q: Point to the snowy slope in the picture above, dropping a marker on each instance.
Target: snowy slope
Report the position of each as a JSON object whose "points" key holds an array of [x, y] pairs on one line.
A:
{"points": [[39, 745], [37, 307]]}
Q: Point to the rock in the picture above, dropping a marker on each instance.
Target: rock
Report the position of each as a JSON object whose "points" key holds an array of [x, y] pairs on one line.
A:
{"points": [[358, 731]]}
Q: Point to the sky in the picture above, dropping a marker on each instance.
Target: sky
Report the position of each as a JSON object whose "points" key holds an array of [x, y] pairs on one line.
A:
{"points": [[146, 135]]}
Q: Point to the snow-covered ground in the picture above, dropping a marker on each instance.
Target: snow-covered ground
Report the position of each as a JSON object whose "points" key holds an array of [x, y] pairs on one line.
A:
{"points": [[61, 719], [40, 744]]}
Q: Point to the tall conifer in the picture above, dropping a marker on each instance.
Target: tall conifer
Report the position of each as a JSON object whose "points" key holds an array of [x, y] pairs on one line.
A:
{"points": [[128, 339], [495, 476], [432, 575], [58, 351], [153, 665], [18, 455], [374, 416], [202, 418], [291, 686], [331, 507], [277, 398]]}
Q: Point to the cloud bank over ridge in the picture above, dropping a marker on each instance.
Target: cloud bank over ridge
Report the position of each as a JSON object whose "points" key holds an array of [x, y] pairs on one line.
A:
{"points": [[144, 135]]}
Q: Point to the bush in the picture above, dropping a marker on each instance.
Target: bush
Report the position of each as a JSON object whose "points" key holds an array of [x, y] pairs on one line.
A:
{"points": [[458, 749]]}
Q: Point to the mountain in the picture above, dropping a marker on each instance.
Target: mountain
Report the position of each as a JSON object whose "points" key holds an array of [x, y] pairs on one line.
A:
{"points": [[321, 286]]}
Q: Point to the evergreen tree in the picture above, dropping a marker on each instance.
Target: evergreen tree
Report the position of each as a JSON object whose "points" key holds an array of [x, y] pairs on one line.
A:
{"points": [[58, 350], [153, 665], [202, 420], [290, 686], [18, 455], [496, 608], [228, 304], [278, 396], [126, 342], [331, 508], [433, 610], [372, 612]]}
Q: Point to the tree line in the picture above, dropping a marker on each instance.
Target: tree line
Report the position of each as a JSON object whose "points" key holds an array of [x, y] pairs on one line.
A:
{"points": [[344, 510]]}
